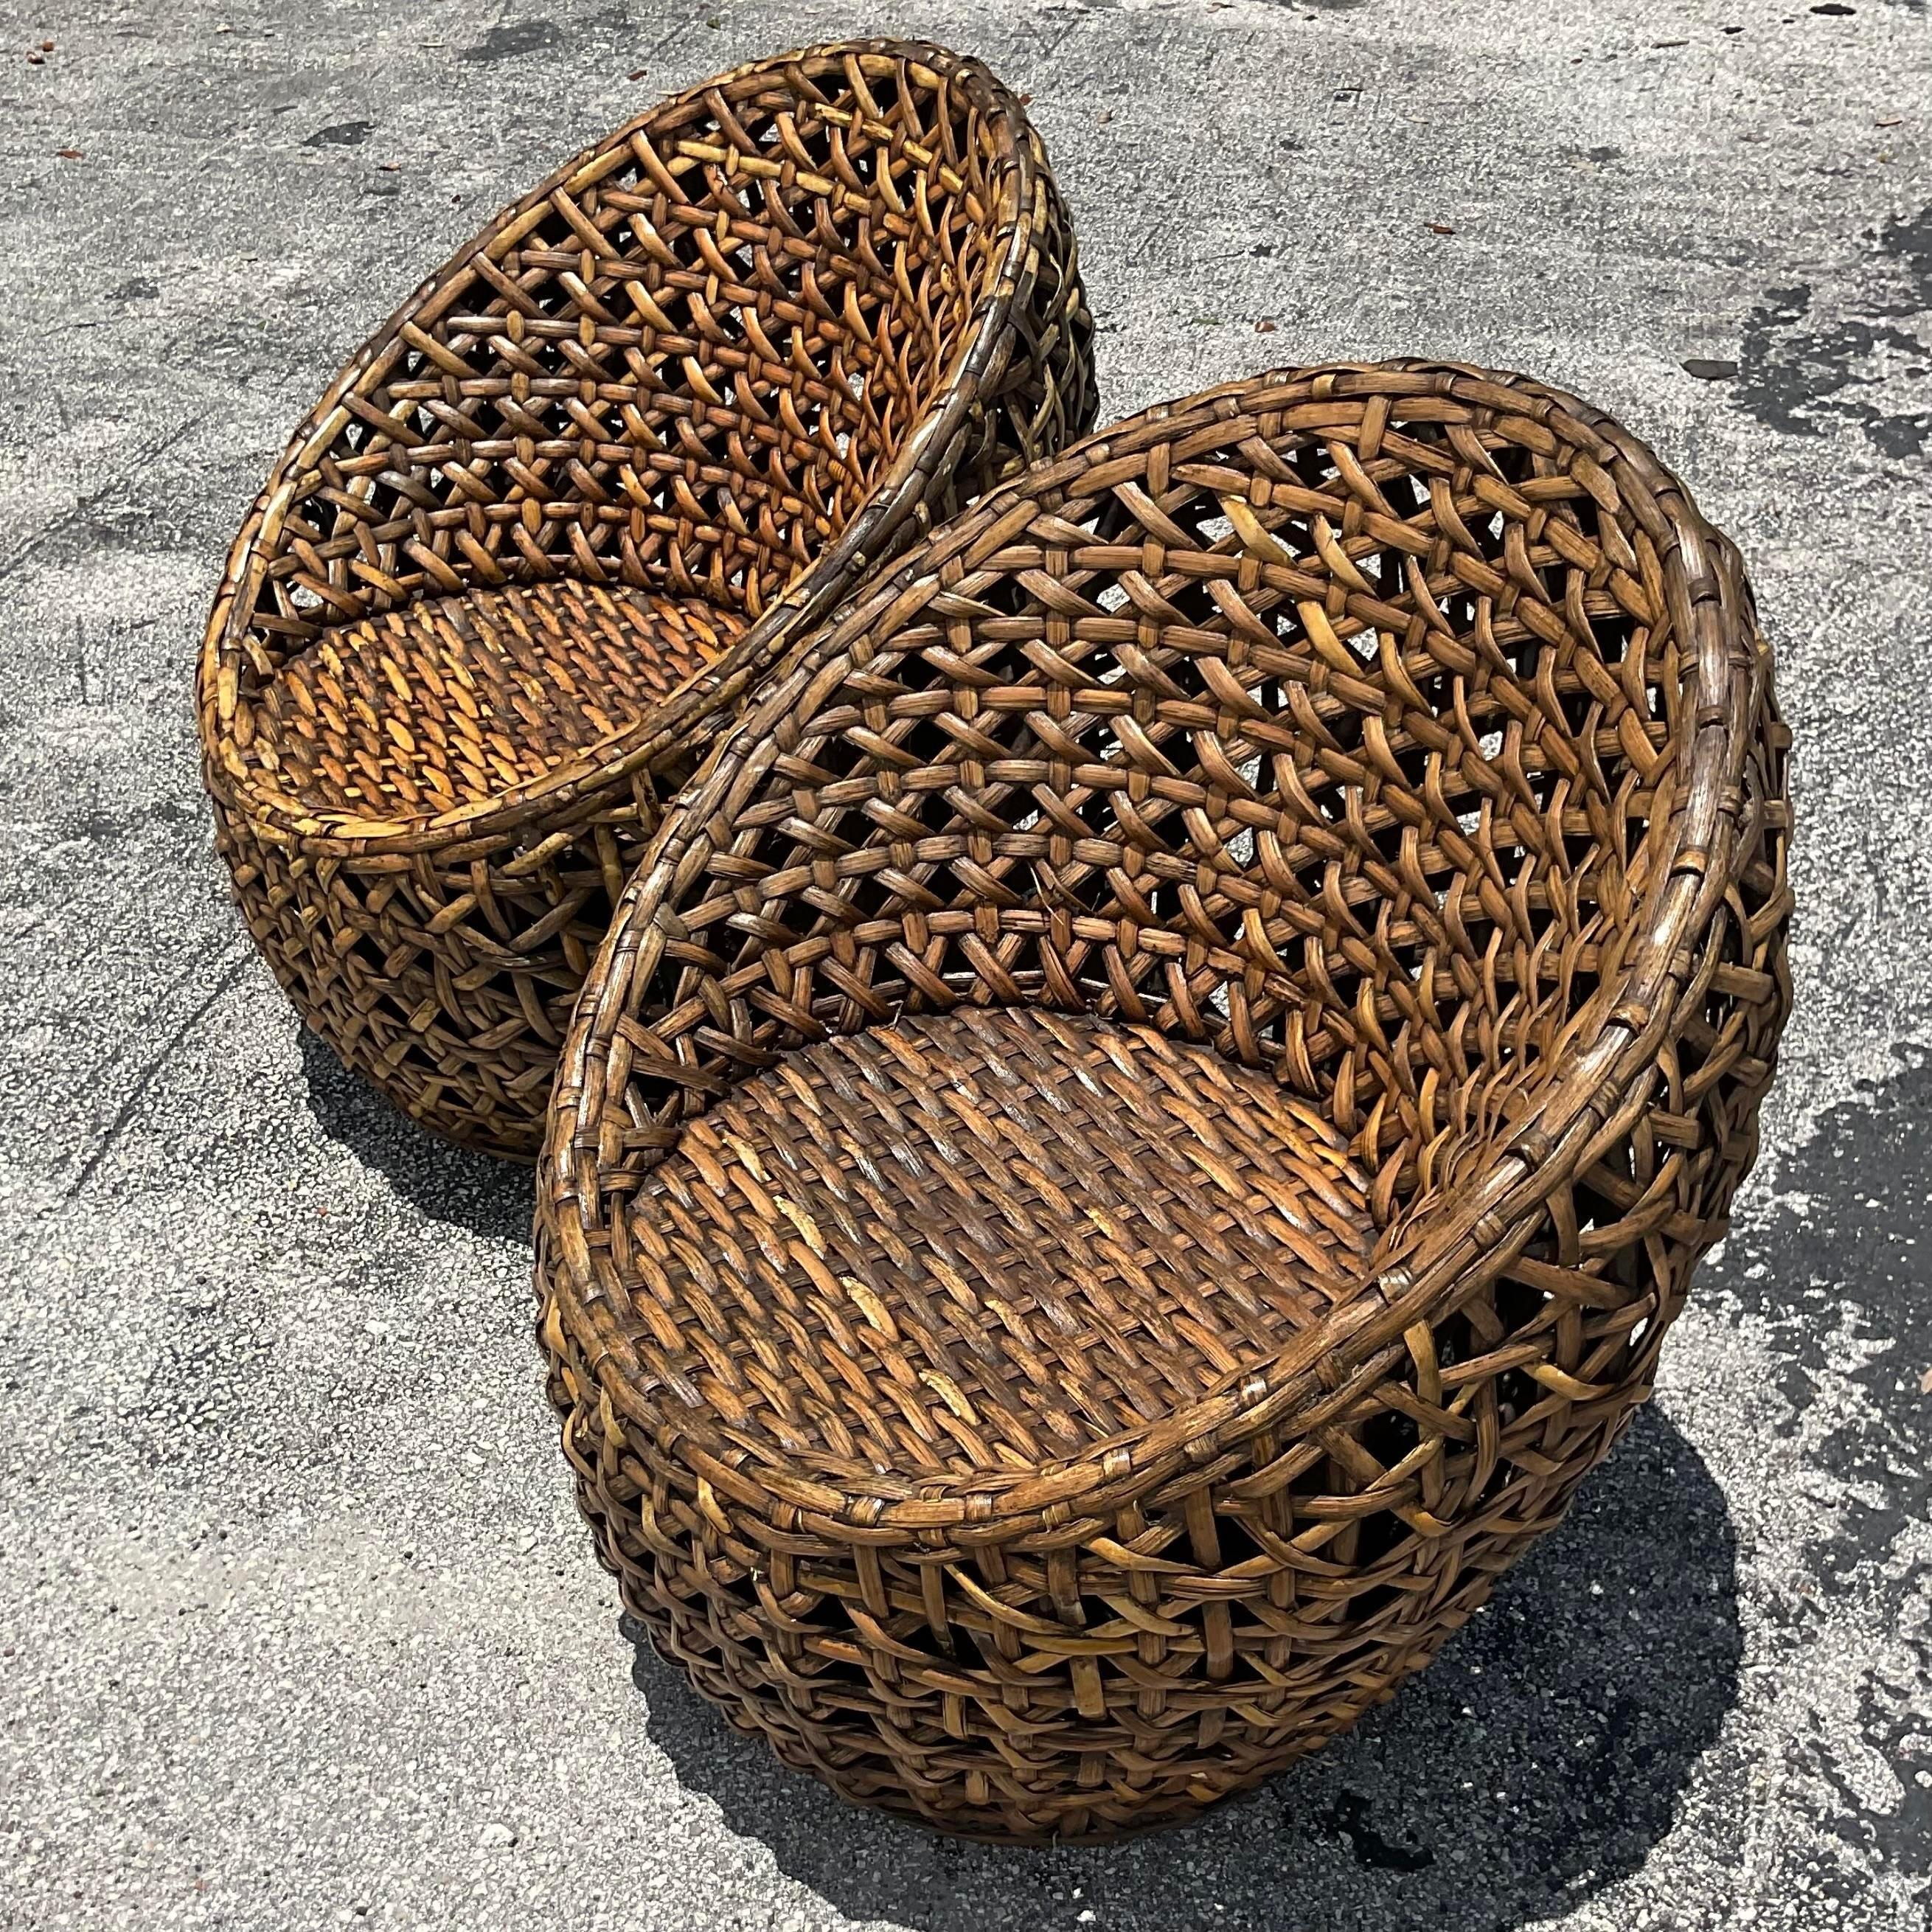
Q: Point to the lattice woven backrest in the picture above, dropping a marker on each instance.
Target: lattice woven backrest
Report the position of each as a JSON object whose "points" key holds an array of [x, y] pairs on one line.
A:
{"points": [[683, 365], [1344, 722]]}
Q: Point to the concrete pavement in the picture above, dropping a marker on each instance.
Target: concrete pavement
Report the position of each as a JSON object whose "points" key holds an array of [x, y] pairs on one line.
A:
{"points": [[298, 1625]]}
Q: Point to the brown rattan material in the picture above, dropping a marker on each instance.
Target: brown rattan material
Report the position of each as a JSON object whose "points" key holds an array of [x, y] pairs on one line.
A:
{"points": [[576, 500], [1105, 1218], [1141, 1127]]}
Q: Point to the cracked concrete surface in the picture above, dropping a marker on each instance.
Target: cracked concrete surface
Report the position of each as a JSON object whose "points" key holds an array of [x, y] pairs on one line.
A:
{"points": [[299, 1627]]}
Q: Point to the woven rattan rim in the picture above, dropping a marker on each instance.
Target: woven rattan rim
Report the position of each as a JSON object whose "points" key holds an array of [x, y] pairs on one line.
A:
{"points": [[1430, 1261], [1021, 218]]}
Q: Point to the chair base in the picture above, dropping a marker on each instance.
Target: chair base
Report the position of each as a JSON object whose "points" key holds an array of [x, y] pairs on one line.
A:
{"points": [[900, 1754]]}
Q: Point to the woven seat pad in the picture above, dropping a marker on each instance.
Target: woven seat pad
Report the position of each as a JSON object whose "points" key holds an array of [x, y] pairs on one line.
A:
{"points": [[980, 1242], [453, 700]]}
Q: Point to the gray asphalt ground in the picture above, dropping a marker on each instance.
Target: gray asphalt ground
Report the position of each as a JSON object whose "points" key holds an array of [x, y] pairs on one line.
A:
{"points": [[297, 1626]]}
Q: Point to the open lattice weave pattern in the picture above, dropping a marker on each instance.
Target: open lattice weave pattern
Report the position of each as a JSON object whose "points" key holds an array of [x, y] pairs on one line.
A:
{"points": [[576, 499], [1399, 736]]}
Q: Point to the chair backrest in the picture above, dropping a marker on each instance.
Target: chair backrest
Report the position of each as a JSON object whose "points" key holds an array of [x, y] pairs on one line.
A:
{"points": [[733, 345], [1402, 729]]}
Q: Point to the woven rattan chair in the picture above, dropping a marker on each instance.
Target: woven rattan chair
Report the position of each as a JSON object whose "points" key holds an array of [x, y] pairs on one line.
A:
{"points": [[1141, 1129], [575, 499]]}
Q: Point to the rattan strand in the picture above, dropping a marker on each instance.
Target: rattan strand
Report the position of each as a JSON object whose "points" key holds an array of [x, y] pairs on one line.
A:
{"points": [[1400, 736], [738, 352]]}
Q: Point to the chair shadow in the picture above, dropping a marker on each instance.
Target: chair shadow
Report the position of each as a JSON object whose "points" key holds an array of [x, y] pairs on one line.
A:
{"points": [[494, 1198], [1537, 1762]]}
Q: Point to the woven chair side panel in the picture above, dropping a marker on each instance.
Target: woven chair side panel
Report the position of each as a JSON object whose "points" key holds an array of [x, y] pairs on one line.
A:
{"points": [[683, 369], [1039, 393], [1640, 1185], [445, 977]]}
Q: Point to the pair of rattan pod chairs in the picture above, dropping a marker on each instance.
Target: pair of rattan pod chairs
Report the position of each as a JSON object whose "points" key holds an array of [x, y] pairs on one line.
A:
{"points": [[1133, 1037]]}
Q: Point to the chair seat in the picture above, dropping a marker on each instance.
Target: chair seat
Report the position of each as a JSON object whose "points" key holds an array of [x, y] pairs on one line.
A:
{"points": [[981, 1242], [453, 700]]}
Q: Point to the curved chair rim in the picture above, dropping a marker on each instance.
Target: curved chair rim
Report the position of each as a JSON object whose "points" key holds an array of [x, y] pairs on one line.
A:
{"points": [[1420, 1266], [807, 599]]}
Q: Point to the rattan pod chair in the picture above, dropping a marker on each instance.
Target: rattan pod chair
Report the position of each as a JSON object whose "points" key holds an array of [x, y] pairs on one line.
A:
{"points": [[575, 499], [1141, 1128]]}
